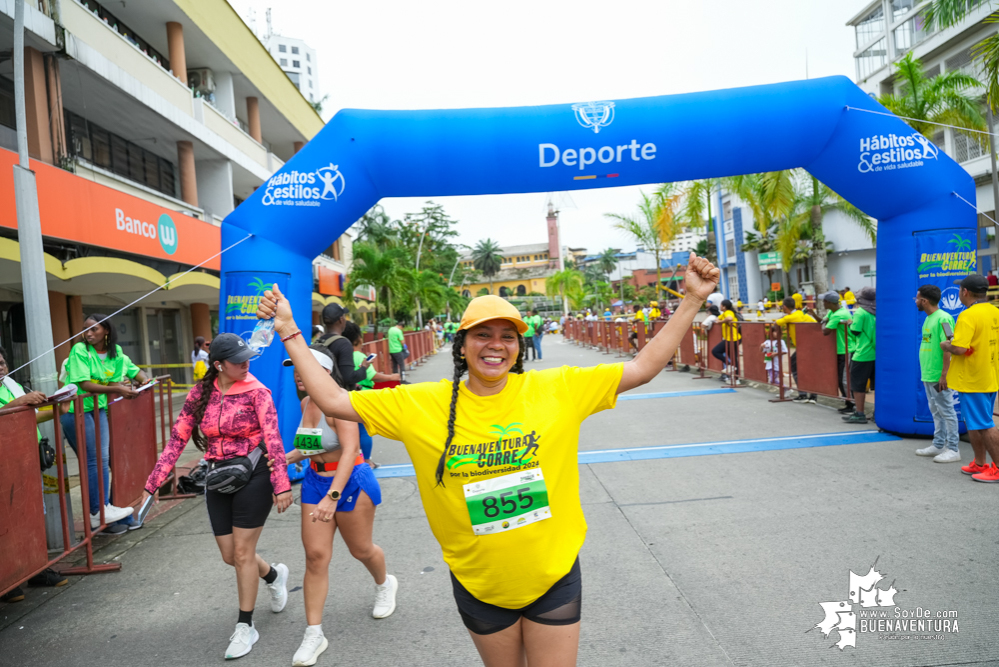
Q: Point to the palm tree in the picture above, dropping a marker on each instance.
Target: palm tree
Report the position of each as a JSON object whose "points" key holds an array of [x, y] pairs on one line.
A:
{"points": [[564, 283], [941, 99], [486, 258], [378, 269], [607, 261], [377, 229], [697, 208], [656, 224]]}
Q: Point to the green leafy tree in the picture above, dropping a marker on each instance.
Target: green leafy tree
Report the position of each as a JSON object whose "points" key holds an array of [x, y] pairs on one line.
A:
{"points": [[656, 223], [944, 98], [379, 269], [566, 284], [486, 258], [607, 261], [482, 292]]}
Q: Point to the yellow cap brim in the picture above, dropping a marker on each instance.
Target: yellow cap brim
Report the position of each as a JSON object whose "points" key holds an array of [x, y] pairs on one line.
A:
{"points": [[520, 324]]}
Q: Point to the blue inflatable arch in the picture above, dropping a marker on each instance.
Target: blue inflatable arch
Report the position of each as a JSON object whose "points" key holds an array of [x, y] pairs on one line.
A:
{"points": [[876, 162]]}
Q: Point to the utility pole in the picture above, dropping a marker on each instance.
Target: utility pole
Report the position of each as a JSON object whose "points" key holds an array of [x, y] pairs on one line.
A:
{"points": [[38, 320], [995, 182], [419, 249], [561, 262]]}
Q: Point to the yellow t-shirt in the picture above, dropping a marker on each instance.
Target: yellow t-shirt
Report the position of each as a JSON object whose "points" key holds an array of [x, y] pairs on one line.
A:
{"points": [[849, 298], [790, 319], [729, 331], [533, 424], [977, 328], [797, 300]]}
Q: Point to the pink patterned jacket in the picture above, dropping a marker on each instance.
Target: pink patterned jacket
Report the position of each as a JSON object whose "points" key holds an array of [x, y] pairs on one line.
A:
{"points": [[233, 425]]}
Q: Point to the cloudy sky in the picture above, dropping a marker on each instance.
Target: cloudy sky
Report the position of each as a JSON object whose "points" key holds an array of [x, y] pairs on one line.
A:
{"points": [[431, 54]]}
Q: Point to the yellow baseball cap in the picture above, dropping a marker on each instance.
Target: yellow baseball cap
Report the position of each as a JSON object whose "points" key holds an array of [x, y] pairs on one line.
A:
{"points": [[490, 307]]}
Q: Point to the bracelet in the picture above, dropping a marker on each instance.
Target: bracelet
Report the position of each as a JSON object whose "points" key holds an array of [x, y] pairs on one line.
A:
{"points": [[287, 338]]}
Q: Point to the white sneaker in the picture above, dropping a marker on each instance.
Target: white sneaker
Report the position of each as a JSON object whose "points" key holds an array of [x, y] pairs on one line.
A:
{"points": [[312, 647], [948, 456], [385, 597], [279, 589], [932, 450], [242, 641], [111, 514]]}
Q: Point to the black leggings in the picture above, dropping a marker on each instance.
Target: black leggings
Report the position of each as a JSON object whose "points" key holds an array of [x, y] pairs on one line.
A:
{"points": [[247, 508], [720, 350]]}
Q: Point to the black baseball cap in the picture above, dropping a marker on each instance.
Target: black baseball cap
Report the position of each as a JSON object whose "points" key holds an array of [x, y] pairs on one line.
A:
{"points": [[975, 284], [333, 312], [230, 347]]}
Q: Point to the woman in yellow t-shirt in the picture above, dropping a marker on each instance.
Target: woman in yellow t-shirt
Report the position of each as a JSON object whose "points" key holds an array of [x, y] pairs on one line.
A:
{"points": [[500, 483]]}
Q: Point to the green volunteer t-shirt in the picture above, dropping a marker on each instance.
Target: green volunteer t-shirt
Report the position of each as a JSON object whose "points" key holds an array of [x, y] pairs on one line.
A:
{"points": [[85, 365], [536, 322], [930, 354], [6, 396], [530, 328], [835, 321], [863, 335], [366, 383], [395, 340]]}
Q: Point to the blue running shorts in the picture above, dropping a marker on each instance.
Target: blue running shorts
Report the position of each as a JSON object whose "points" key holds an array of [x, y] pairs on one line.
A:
{"points": [[362, 478], [976, 408]]}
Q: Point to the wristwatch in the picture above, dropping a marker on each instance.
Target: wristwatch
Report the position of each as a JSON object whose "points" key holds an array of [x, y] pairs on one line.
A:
{"points": [[334, 494]]}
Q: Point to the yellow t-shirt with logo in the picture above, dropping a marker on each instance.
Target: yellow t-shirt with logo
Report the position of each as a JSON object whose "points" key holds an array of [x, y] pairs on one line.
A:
{"points": [[729, 330], [977, 328], [532, 424], [793, 317], [849, 298]]}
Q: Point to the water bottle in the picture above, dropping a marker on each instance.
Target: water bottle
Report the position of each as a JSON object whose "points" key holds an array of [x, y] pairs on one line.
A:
{"points": [[263, 335]]}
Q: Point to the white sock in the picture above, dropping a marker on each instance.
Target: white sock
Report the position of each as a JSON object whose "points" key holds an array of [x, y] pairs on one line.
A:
{"points": [[315, 628], [384, 583]]}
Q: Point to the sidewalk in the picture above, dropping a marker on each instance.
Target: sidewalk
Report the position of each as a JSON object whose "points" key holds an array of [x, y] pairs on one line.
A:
{"points": [[695, 556]]}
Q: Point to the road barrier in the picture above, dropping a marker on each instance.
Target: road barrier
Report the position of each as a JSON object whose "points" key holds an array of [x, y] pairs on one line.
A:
{"points": [[421, 346], [133, 452]]}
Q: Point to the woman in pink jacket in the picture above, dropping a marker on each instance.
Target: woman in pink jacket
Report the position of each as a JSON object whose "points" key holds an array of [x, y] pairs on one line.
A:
{"points": [[230, 413]]}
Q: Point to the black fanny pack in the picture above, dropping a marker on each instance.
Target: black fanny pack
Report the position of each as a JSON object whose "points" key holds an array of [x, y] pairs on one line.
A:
{"points": [[231, 475]]}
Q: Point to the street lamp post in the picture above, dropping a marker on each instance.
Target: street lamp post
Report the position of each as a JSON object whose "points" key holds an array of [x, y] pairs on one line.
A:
{"points": [[419, 250]]}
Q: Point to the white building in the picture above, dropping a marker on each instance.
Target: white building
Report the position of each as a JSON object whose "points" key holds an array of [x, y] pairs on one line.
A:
{"points": [[298, 60], [885, 31], [686, 240]]}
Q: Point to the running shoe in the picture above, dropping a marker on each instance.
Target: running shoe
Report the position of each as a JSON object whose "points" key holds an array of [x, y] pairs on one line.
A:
{"points": [[948, 456], [848, 409], [15, 595], [800, 398], [385, 597], [279, 589], [973, 468], [932, 450], [48, 577], [111, 514], [856, 418], [812, 398], [312, 647], [242, 641], [115, 529], [990, 476]]}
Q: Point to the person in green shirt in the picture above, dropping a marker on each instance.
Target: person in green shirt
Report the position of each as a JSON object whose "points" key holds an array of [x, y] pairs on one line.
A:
{"points": [[396, 347], [97, 365], [529, 349], [836, 322], [539, 330], [934, 363], [862, 365], [13, 394]]}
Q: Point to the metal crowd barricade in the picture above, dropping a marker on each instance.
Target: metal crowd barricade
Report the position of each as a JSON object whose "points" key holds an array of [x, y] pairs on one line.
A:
{"points": [[165, 398]]}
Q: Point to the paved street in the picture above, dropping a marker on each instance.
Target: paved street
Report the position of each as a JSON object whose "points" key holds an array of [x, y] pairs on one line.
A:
{"points": [[696, 556]]}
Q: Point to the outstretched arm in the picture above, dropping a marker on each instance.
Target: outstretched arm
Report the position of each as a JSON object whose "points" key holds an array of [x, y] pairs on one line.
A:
{"points": [[331, 398], [700, 279]]}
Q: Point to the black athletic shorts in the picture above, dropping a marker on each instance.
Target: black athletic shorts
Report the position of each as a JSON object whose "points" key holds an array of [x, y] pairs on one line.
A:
{"points": [[860, 373], [247, 508], [560, 605]]}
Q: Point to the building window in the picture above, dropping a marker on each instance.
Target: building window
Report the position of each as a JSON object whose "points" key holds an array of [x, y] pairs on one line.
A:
{"points": [[308, 57], [310, 86], [910, 33], [284, 63], [296, 63], [282, 48], [900, 8], [115, 24], [114, 153], [294, 50], [729, 249], [521, 291], [966, 148], [733, 285], [873, 59], [870, 26], [310, 72]]}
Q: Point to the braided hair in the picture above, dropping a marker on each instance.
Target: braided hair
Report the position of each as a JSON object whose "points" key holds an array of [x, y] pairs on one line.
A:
{"points": [[198, 411], [460, 367]]}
